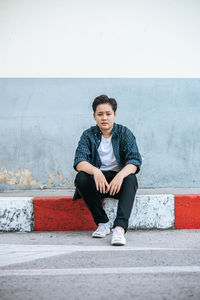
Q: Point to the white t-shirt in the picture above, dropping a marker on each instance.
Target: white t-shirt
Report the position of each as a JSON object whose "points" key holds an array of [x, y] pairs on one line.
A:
{"points": [[105, 150]]}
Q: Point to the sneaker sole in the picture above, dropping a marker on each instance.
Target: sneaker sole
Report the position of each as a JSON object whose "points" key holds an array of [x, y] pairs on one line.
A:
{"points": [[118, 244], [100, 236]]}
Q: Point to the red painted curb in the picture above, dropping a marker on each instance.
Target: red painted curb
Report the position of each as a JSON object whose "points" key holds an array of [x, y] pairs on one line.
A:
{"points": [[61, 213], [187, 211]]}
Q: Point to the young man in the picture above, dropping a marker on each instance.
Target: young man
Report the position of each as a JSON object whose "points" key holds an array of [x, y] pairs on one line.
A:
{"points": [[107, 159]]}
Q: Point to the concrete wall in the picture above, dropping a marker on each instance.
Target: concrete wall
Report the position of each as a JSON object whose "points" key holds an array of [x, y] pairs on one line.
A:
{"points": [[41, 121], [98, 47]]}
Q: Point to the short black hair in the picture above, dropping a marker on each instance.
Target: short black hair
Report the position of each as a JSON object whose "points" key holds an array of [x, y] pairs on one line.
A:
{"points": [[102, 99]]}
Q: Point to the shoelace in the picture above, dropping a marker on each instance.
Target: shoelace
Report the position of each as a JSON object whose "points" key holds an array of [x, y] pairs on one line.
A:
{"points": [[101, 227], [118, 233]]}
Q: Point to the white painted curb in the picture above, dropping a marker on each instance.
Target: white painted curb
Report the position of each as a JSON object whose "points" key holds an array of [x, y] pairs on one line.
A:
{"points": [[149, 211], [16, 214]]}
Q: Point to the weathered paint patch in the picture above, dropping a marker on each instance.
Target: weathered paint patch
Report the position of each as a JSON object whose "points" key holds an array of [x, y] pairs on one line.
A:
{"points": [[24, 178], [16, 214], [149, 211], [21, 177], [57, 180]]}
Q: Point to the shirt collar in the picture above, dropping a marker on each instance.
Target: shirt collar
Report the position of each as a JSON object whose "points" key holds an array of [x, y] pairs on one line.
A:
{"points": [[114, 130]]}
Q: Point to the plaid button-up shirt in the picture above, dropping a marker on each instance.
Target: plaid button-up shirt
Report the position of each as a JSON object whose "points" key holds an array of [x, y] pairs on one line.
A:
{"points": [[124, 147]]}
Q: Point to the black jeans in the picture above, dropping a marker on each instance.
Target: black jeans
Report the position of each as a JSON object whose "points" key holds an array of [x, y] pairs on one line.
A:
{"points": [[87, 189]]}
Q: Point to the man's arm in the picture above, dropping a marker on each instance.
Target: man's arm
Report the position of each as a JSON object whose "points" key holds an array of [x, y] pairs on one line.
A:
{"points": [[128, 169], [86, 167], [132, 161], [130, 149], [83, 151]]}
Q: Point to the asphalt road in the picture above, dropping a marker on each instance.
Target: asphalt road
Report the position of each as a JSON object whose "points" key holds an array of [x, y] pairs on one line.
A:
{"points": [[155, 264]]}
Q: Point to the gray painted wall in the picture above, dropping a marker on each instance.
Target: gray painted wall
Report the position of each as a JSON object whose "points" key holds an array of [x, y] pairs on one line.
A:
{"points": [[41, 121]]}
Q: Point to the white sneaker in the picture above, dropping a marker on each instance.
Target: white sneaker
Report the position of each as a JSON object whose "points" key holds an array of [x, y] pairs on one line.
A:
{"points": [[118, 238], [102, 230]]}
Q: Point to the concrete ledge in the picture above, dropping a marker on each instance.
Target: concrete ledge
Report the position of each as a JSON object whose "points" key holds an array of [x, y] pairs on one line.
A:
{"points": [[69, 192], [149, 211], [62, 213], [16, 214]]}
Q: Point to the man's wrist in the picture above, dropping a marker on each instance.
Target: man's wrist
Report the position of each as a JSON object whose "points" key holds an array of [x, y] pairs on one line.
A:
{"points": [[95, 169], [121, 174], [127, 170]]}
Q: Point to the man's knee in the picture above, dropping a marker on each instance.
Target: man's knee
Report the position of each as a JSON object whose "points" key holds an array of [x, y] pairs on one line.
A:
{"points": [[131, 180], [82, 179]]}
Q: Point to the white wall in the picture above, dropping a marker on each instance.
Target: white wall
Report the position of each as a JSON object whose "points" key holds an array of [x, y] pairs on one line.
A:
{"points": [[99, 38]]}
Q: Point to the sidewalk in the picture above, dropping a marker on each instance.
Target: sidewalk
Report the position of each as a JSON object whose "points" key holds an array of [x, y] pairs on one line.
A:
{"points": [[155, 264], [54, 210]]}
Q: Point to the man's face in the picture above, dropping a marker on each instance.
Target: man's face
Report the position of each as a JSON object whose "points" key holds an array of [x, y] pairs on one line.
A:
{"points": [[105, 117]]}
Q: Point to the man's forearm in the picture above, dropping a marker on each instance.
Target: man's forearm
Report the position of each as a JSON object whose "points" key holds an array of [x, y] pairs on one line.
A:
{"points": [[128, 169], [86, 167]]}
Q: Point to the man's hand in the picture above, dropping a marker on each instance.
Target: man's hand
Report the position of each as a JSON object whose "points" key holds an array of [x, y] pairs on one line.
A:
{"points": [[100, 181], [116, 183]]}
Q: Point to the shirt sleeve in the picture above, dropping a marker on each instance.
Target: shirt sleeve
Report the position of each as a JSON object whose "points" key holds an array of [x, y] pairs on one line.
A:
{"points": [[83, 152], [131, 152]]}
